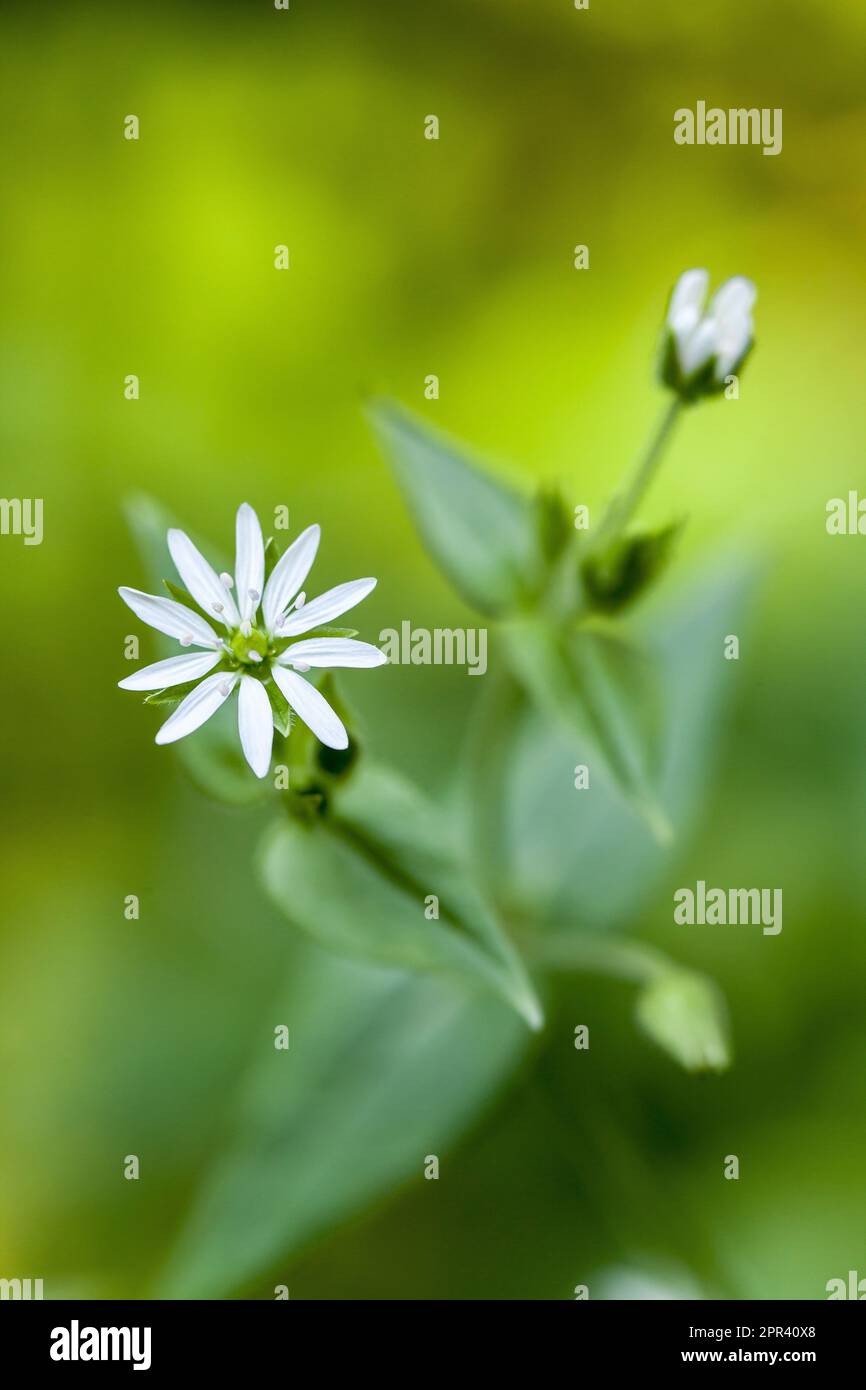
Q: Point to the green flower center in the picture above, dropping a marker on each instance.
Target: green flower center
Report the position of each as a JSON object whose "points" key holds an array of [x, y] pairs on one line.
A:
{"points": [[250, 649]]}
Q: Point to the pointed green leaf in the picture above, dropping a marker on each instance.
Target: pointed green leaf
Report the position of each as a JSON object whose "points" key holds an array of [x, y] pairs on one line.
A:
{"points": [[602, 692], [483, 535], [369, 879], [581, 856], [382, 1068]]}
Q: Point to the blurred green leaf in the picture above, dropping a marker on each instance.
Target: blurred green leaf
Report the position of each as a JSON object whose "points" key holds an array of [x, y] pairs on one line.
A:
{"points": [[554, 853], [360, 879], [620, 572], [382, 1070], [484, 536], [685, 1013], [604, 692], [213, 761]]}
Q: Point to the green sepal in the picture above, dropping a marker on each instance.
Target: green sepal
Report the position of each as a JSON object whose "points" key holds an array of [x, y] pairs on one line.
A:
{"points": [[337, 762], [620, 572], [279, 707], [554, 524], [273, 554], [181, 596], [701, 383], [173, 694], [279, 644]]}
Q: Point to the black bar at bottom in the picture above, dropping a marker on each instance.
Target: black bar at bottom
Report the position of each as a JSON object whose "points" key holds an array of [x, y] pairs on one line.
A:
{"points": [[66, 1338]]}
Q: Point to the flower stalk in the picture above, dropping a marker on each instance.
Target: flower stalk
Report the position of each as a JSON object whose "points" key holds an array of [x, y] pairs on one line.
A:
{"points": [[624, 505]]}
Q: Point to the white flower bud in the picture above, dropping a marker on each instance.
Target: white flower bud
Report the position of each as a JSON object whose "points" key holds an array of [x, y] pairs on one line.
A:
{"points": [[705, 344]]}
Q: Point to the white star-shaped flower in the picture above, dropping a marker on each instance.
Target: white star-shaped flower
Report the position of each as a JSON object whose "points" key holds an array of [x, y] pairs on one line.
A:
{"points": [[249, 638]]}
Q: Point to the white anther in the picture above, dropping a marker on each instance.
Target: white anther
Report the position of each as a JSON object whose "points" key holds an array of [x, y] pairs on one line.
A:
{"points": [[227, 580], [253, 656], [186, 640]]}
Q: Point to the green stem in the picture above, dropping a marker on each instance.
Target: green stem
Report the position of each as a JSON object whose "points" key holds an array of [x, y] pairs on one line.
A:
{"points": [[625, 504], [602, 955]]}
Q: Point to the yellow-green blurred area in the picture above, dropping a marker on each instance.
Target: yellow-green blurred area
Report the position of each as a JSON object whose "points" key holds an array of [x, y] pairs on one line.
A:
{"points": [[411, 257]]}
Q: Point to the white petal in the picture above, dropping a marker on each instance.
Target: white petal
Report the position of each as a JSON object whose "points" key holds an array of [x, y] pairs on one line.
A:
{"points": [[687, 300], [288, 575], [733, 299], [312, 707], [332, 651], [699, 347], [249, 560], [175, 671], [734, 339], [198, 707], [255, 724], [172, 618], [201, 580], [327, 606]]}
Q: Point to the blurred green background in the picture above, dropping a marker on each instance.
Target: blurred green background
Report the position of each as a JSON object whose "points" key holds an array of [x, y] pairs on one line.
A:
{"points": [[411, 257]]}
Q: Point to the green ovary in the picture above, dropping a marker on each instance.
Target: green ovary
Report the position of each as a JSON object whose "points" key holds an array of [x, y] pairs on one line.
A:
{"points": [[248, 648]]}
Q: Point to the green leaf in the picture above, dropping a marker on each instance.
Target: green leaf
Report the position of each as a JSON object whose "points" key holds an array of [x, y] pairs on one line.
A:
{"points": [[601, 691], [360, 879], [483, 535], [213, 760], [559, 855], [383, 1068], [620, 572], [685, 1013]]}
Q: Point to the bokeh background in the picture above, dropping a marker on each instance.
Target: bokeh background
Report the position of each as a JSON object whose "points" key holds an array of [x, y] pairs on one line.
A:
{"points": [[411, 257]]}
